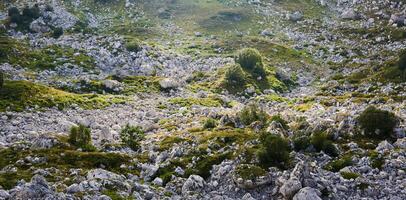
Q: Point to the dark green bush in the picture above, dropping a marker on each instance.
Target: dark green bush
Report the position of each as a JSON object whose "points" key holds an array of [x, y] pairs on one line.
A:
{"points": [[80, 137], [1, 80], [31, 13], [322, 142], [13, 11], [58, 32], [377, 123], [274, 152], [279, 119], [252, 113], [234, 76], [210, 123], [131, 136], [249, 59], [301, 143], [402, 61], [338, 164], [133, 46]]}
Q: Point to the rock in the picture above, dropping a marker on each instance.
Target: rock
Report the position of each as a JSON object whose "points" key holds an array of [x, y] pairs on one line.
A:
{"points": [[168, 84], [247, 197], [350, 14], [4, 194], [307, 193], [400, 143], [39, 26], [44, 142], [158, 181], [104, 175], [112, 85], [384, 146], [74, 188], [295, 16], [194, 183], [290, 187], [148, 171], [38, 188]]}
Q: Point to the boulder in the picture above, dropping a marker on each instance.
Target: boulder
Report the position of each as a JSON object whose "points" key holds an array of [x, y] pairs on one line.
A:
{"points": [[307, 193], [194, 183], [295, 16], [37, 188], [168, 84], [290, 188], [350, 14], [39, 26]]}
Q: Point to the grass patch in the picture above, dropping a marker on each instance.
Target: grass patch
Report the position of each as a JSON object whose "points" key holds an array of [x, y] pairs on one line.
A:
{"points": [[18, 95]]}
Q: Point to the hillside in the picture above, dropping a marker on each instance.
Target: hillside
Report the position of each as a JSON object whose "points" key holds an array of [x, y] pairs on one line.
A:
{"points": [[202, 99]]}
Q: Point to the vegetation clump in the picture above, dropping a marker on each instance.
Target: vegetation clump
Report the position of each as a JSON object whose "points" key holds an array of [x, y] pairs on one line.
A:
{"points": [[23, 20], [377, 123], [402, 61], [80, 137], [1, 80], [322, 142], [133, 46], [131, 136], [57, 32], [234, 78], [252, 113], [274, 152], [209, 123], [251, 60]]}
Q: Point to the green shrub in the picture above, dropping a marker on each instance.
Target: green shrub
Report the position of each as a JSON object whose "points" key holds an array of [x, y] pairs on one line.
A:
{"points": [[1, 80], [402, 61], [131, 136], [322, 142], [279, 119], [249, 59], [338, 164], [234, 77], [58, 32], [301, 143], [377, 123], [274, 152], [133, 46], [349, 175], [210, 123], [252, 113], [31, 13], [80, 137]]}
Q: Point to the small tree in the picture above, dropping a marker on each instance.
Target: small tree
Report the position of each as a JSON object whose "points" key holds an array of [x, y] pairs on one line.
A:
{"points": [[80, 136], [131, 136], [377, 123], [249, 59], [322, 142], [274, 152]]}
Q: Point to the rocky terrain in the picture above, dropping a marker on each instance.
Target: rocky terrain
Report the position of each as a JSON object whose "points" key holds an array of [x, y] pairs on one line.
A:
{"points": [[211, 99]]}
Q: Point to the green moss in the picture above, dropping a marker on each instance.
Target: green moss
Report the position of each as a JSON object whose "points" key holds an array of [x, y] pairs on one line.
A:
{"points": [[19, 53], [169, 141], [249, 172], [114, 195], [349, 175], [339, 163], [61, 157], [17, 95], [188, 102], [377, 161], [205, 164], [140, 84]]}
